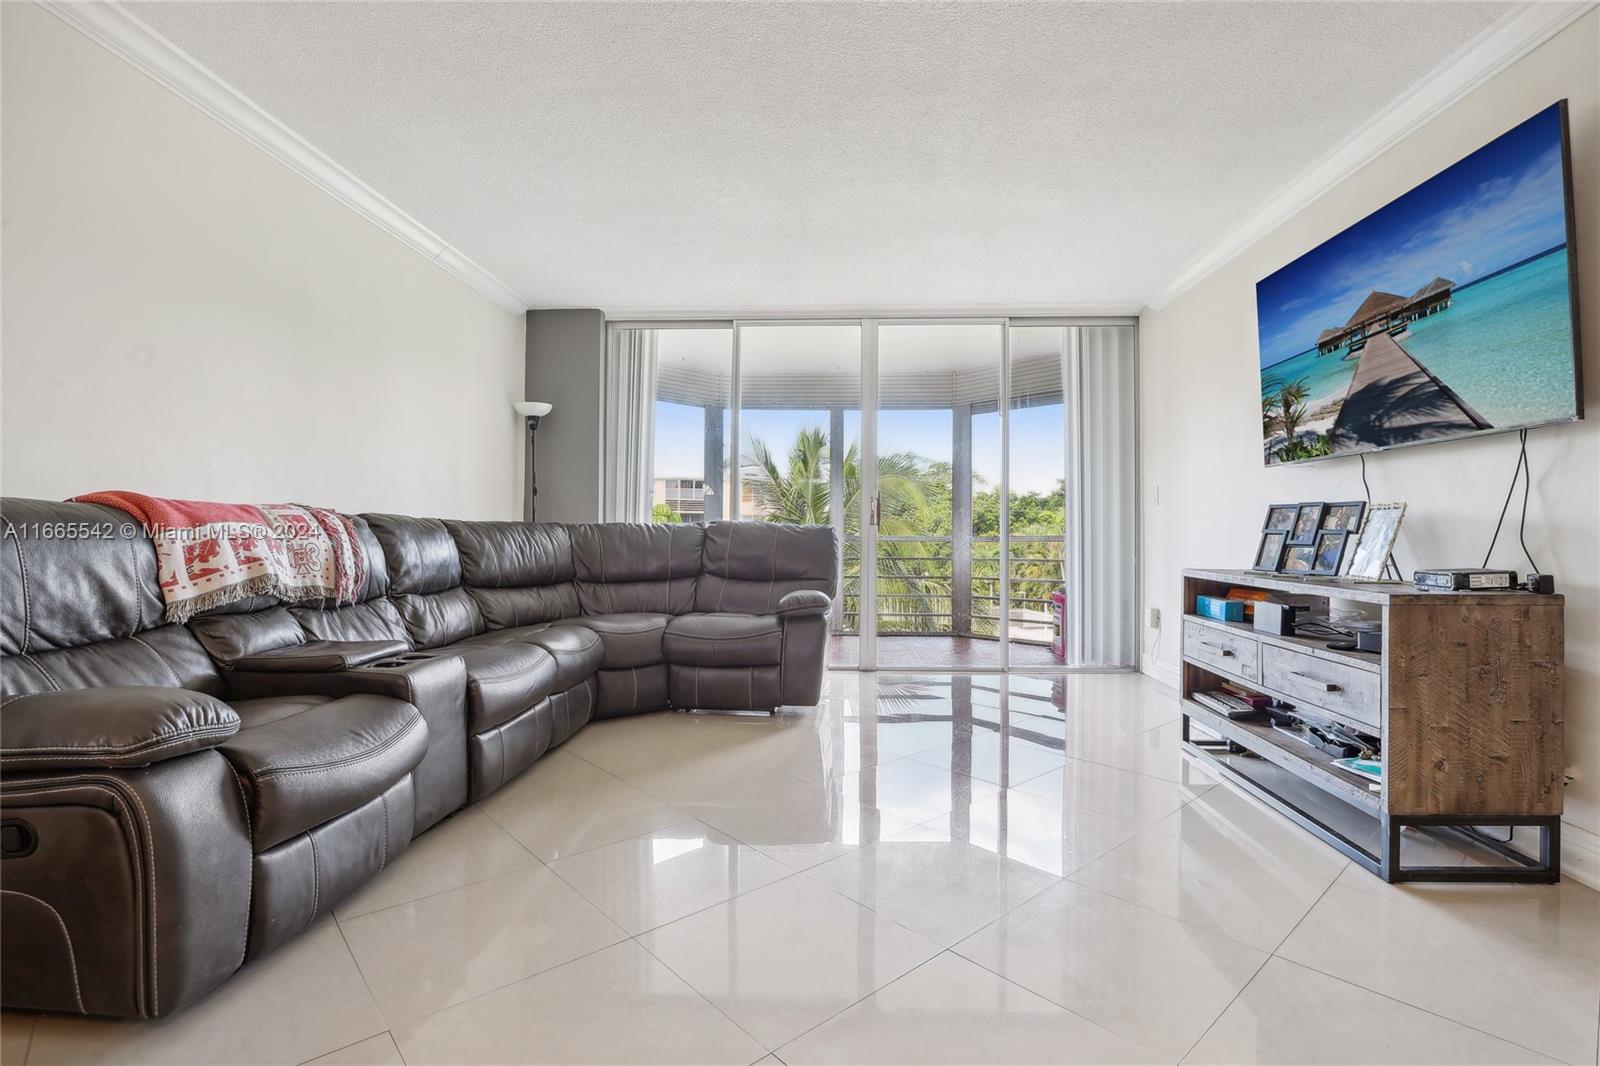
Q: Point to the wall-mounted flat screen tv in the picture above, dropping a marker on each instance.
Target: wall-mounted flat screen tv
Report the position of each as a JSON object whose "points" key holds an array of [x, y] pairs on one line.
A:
{"points": [[1448, 313]]}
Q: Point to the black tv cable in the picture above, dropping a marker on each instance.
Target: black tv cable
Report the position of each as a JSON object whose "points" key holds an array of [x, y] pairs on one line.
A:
{"points": [[1523, 470]]}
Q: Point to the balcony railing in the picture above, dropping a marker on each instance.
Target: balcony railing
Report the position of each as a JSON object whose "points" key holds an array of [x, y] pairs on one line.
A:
{"points": [[924, 589]]}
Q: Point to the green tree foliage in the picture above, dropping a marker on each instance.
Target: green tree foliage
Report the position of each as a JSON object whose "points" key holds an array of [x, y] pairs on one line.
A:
{"points": [[915, 575], [1283, 409], [662, 513]]}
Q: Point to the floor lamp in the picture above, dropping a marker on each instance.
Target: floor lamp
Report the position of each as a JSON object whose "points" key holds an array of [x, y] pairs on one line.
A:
{"points": [[531, 411]]}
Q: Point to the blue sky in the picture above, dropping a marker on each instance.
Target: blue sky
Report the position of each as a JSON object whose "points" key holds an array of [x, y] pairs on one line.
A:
{"points": [[1036, 448], [1499, 205]]}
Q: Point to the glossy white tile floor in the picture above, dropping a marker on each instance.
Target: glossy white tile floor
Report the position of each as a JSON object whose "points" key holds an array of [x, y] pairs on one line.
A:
{"points": [[923, 869]]}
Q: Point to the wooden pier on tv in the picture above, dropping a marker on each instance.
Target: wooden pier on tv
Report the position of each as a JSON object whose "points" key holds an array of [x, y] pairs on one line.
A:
{"points": [[1466, 698]]}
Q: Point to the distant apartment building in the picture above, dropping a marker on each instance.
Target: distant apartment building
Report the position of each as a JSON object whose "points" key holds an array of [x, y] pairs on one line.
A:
{"points": [[684, 495], [687, 497]]}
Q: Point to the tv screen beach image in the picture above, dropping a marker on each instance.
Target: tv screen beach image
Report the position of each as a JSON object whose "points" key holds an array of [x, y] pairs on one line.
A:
{"points": [[1445, 313]]}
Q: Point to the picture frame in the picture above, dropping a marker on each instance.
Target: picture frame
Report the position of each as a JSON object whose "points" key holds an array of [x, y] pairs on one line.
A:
{"points": [[1346, 516], [1307, 520], [1378, 533], [1269, 553], [1298, 559], [1328, 551], [1280, 516]]}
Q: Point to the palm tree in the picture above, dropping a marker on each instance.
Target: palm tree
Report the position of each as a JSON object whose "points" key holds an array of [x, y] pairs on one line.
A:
{"points": [[795, 490], [914, 493], [1283, 406], [1292, 408], [1269, 406]]}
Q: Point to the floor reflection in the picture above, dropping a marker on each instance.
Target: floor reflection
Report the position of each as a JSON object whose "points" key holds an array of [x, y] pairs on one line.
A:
{"points": [[914, 759]]}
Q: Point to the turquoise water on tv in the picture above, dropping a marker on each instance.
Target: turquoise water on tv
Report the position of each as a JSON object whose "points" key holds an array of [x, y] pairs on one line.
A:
{"points": [[1504, 345]]}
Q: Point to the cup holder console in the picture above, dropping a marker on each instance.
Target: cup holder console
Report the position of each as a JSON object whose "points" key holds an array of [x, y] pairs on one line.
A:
{"points": [[397, 661]]}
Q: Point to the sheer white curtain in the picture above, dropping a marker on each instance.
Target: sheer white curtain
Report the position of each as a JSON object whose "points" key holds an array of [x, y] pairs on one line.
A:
{"points": [[629, 425], [1099, 386]]}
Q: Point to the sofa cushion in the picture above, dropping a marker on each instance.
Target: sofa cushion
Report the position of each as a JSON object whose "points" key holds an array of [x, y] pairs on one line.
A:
{"points": [[518, 573], [504, 678], [303, 760], [434, 619], [507, 555], [625, 567], [80, 606], [724, 640], [577, 650], [749, 566], [73, 574], [229, 637], [373, 620], [166, 656], [425, 579], [420, 554], [629, 640]]}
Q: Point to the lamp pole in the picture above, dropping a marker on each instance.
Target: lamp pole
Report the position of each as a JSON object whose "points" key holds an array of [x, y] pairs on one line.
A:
{"points": [[530, 504], [531, 411]]}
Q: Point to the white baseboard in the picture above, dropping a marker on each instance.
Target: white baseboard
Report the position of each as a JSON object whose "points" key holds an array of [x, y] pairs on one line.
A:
{"points": [[1580, 855], [1162, 671]]}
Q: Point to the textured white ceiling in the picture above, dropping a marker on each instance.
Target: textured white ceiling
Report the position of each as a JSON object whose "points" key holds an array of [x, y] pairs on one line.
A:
{"points": [[748, 155]]}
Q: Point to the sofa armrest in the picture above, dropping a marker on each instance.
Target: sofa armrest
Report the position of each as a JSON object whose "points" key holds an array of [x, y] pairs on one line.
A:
{"points": [[135, 899], [110, 727], [803, 602], [319, 656], [432, 682]]}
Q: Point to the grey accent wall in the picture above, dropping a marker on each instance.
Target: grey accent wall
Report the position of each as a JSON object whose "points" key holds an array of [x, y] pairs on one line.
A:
{"points": [[566, 366]]}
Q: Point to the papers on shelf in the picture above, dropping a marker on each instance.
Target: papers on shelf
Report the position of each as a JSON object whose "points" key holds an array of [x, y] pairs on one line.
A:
{"points": [[1371, 769]]}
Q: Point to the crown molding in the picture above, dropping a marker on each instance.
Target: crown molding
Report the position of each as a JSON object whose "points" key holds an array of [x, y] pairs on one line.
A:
{"points": [[1510, 38], [125, 35], [1121, 309]]}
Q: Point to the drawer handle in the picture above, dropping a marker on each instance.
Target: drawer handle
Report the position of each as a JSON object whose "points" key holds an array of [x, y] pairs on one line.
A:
{"points": [[1227, 653], [1317, 682]]}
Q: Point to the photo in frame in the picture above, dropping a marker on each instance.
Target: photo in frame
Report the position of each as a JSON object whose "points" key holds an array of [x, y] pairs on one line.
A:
{"points": [[1345, 516], [1299, 559], [1329, 552], [1281, 516], [1307, 520], [1270, 552], [1378, 533]]}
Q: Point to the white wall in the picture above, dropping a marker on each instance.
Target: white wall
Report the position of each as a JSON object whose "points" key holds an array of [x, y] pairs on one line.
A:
{"points": [[184, 316], [1205, 488]]}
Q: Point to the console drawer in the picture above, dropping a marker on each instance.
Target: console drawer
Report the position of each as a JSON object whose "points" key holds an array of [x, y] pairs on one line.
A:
{"points": [[1346, 692], [1229, 653]]}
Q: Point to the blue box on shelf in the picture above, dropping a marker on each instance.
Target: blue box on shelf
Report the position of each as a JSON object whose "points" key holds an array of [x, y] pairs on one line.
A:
{"points": [[1219, 608]]}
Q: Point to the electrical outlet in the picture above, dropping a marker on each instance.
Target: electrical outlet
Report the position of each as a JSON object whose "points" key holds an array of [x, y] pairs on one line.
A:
{"points": [[1152, 617]]}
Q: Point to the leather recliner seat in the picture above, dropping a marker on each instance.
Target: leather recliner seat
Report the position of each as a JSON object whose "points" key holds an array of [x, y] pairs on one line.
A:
{"points": [[180, 799]]}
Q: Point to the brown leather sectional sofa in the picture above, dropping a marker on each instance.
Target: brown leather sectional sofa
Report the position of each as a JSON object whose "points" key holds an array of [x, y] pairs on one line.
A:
{"points": [[179, 800]]}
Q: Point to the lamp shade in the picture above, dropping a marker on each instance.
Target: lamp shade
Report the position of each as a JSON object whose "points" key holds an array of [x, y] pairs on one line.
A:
{"points": [[532, 408]]}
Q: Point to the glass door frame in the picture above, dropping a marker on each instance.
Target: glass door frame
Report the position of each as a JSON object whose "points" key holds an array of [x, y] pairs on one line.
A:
{"points": [[869, 547], [869, 480], [869, 325]]}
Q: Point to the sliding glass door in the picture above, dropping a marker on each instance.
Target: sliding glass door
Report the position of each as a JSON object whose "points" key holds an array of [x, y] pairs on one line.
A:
{"points": [[940, 475], [799, 431], [980, 474], [691, 475], [1036, 496]]}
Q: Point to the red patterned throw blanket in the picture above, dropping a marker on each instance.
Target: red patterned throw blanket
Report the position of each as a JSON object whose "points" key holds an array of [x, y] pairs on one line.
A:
{"points": [[211, 554]]}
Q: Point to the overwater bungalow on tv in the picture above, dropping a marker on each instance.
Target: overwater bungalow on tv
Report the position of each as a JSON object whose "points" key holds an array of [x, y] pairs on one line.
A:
{"points": [[1386, 312]]}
